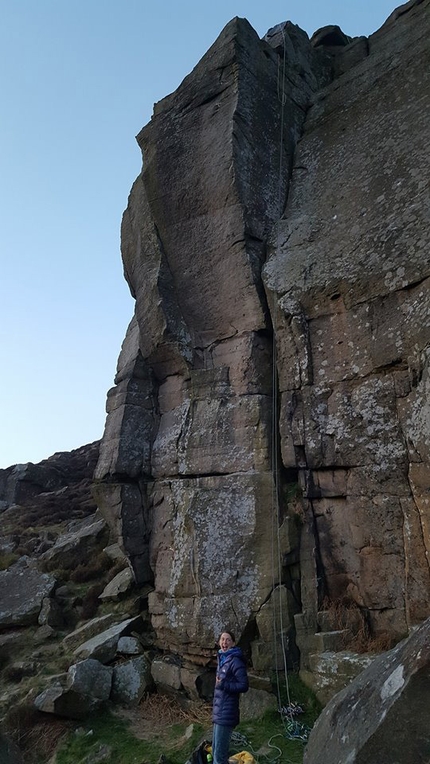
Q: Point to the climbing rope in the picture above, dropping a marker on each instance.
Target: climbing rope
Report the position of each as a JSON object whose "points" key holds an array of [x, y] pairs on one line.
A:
{"points": [[293, 730], [278, 624]]}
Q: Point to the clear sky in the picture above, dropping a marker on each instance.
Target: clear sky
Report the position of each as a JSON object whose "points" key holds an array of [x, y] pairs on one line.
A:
{"points": [[78, 81]]}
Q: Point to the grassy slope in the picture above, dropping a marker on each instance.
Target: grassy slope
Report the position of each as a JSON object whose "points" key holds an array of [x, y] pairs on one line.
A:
{"points": [[265, 738]]}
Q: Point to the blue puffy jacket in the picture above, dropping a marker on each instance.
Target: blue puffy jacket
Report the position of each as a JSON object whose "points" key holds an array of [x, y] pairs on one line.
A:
{"points": [[234, 680]]}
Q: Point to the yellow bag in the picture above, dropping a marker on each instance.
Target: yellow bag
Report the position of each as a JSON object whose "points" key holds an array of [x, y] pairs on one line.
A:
{"points": [[244, 757]]}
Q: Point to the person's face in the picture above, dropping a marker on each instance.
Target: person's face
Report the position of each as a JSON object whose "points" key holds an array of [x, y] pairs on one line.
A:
{"points": [[225, 642]]}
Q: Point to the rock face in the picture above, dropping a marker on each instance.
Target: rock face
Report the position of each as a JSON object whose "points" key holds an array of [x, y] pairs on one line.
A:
{"points": [[185, 464], [276, 243], [58, 487], [383, 715], [23, 590], [349, 277]]}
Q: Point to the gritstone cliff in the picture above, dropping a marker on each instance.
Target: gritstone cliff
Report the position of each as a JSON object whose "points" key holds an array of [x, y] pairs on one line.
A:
{"points": [[281, 217]]}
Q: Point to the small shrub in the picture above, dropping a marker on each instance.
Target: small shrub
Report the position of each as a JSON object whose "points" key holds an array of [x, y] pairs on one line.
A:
{"points": [[344, 614], [37, 735], [293, 492], [91, 602], [167, 710], [14, 672], [7, 559], [90, 570], [366, 643]]}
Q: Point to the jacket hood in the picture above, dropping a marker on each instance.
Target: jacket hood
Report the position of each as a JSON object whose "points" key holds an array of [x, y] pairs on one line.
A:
{"points": [[227, 655], [232, 651]]}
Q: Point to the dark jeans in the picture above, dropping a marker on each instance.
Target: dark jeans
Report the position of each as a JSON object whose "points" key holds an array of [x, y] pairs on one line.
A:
{"points": [[221, 743]]}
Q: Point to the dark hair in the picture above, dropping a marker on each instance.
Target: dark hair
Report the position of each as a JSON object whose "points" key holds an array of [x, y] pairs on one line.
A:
{"points": [[230, 634]]}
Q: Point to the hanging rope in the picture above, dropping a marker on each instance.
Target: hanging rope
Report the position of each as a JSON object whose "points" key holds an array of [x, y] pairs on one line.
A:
{"points": [[278, 623], [293, 730]]}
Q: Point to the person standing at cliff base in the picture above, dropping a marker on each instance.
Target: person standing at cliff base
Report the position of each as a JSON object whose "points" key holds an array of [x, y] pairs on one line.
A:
{"points": [[231, 680]]}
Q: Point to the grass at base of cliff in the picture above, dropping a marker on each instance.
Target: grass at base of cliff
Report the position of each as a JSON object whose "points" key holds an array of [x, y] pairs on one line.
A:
{"points": [[109, 734], [115, 737], [105, 732]]}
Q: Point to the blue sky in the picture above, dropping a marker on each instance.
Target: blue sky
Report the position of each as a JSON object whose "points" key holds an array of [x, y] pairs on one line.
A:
{"points": [[78, 81]]}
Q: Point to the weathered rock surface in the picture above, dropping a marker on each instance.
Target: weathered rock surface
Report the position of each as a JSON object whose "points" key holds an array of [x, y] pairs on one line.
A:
{"points": [[220, 248], [129, 646], [185, 475], [194, 375], [22, 591], [255, 703], [330, 671], [77, 546], [119, 586], [348, 277], [383, 715], [103, 646], [166, 674], [90, 629], [131, 680], [50, 613], [11, 642]]}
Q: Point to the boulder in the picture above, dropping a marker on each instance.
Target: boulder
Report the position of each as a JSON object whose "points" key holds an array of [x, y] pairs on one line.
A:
{"points": [[197, 682], [19, 669], [254, 703], [90, 677], [43, 633], [382, 716], [89, 629], [22, 591], [87, 687], [166, 674], [11, 641], [115, 552], [329, 671], [129, 646], [77, 546], [131, 680], [103, 647], [330, 36], [50, 613], [102, 752], [119, 586], [7, 544]]}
